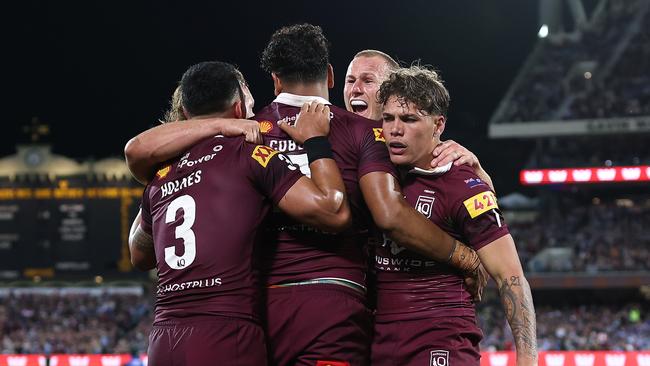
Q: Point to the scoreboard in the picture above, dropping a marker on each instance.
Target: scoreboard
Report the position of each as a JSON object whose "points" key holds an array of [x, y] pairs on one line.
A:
{"points": [[65, 228]]}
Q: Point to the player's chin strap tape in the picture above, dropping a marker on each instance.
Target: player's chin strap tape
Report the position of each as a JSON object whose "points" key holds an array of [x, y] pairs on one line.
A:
{"points": [[318, 148]]}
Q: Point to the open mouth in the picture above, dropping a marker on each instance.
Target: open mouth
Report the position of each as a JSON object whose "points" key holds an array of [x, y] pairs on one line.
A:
{"points": [[396, 148], [358, 106]]}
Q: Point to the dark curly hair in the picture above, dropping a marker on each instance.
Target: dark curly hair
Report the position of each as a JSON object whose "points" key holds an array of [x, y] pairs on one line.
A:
{"points": [[298, 53], [419, 85], [209, 87]]}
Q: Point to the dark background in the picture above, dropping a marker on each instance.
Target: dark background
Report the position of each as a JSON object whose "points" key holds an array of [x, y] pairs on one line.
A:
{"points": [[100, 72]]}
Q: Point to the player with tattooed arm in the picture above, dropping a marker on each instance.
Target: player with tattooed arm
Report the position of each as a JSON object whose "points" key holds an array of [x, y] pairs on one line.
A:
{"points": [[424, 315]]}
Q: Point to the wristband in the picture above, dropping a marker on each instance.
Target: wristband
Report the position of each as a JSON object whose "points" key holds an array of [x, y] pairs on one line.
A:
{"points": [[464, 259], [453, 250], [318, 148]]}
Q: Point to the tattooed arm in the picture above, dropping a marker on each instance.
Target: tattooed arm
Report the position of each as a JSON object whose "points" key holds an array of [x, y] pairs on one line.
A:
{"points": [[502, 262], [141, 247]]}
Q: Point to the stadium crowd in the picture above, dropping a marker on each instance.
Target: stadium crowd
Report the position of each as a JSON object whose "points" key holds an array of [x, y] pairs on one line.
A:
{"points": [[624, 327], [590, 151], [74, 323], [601, 236], [552, 77], [51, 324]]}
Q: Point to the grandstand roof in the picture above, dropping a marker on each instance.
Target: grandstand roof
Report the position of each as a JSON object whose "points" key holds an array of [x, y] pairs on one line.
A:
{"points": [[39, 160]]}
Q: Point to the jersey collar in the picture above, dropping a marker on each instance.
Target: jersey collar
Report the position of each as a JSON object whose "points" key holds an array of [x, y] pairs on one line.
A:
{"points": [[298, 100], [432, 172]]}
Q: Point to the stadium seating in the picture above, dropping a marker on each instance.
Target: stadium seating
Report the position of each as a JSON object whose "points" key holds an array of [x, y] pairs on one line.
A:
{"points": [[77, 322], [599, 235], [598, 72], [56, 322], [624, 327]]}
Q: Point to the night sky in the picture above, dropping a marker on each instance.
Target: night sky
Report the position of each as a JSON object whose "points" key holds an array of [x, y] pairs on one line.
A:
{"points": [[101, 72]]}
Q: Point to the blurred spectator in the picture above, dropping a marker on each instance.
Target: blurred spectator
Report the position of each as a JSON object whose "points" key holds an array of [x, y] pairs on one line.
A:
{"points": [[78, 323], [602, 236], [113, 323], [591, 151], [568, 328]]}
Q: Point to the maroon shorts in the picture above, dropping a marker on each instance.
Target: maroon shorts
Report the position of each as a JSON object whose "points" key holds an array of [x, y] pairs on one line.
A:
{"points": [[207, 341], [427, 342], [318, 322]]}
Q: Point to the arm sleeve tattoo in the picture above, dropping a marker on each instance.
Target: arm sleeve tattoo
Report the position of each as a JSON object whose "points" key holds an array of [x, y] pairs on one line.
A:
{"points": [[142, 241], [517, 302]]}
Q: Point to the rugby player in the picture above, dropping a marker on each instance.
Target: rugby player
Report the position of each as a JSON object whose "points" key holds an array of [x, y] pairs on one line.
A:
{"points": [[424, 315], [300, 287], [170, 134], [200, 219], [365, 73], [309, 270]]}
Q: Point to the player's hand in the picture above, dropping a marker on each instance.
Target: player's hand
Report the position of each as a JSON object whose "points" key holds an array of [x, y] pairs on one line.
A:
{"points": [[450, 150], [476, 282], [313, 120], [238, 127]]}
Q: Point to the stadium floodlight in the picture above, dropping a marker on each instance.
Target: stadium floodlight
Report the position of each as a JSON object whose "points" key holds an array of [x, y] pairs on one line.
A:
{"points": [[543, 31]]}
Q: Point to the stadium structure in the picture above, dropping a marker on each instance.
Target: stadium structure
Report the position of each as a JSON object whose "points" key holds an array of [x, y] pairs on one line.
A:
{"points": [[581, 102]]}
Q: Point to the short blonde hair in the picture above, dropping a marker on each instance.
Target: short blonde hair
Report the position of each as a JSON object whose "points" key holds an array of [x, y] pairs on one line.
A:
{"points": [[175, 111], [392, 64]]}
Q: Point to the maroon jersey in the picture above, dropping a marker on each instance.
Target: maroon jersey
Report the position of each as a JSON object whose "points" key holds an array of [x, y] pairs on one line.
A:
{"points": [[203, 211], [302, 252], [411, 286]]}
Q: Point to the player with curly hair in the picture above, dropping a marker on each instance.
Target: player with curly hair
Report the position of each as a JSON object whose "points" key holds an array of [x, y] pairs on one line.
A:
{"points": [[424, 315]]}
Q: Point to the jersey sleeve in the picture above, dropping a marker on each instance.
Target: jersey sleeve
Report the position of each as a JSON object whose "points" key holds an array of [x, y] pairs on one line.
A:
{"points": [[373, 154], [474, 208], [273, 173], [145, 217]]}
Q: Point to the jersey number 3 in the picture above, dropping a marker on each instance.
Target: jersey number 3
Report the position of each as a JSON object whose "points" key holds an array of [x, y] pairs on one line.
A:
{"points": [[183, 231]]}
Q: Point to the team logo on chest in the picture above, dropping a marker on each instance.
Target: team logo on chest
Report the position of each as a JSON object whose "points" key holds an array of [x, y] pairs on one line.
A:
{"points": [[439, 358], [424, 205]]}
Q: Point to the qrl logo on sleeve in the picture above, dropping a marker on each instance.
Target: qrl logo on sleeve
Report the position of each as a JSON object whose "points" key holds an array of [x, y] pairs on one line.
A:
{"points": [[379, 134], [439, 358], [263, 154], [480, 203]]}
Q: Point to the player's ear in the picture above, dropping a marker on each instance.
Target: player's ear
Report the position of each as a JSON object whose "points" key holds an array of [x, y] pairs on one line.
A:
{"points": [[239, 110], [440, 122], [277, 84], [330, 76], [186, 113]]}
